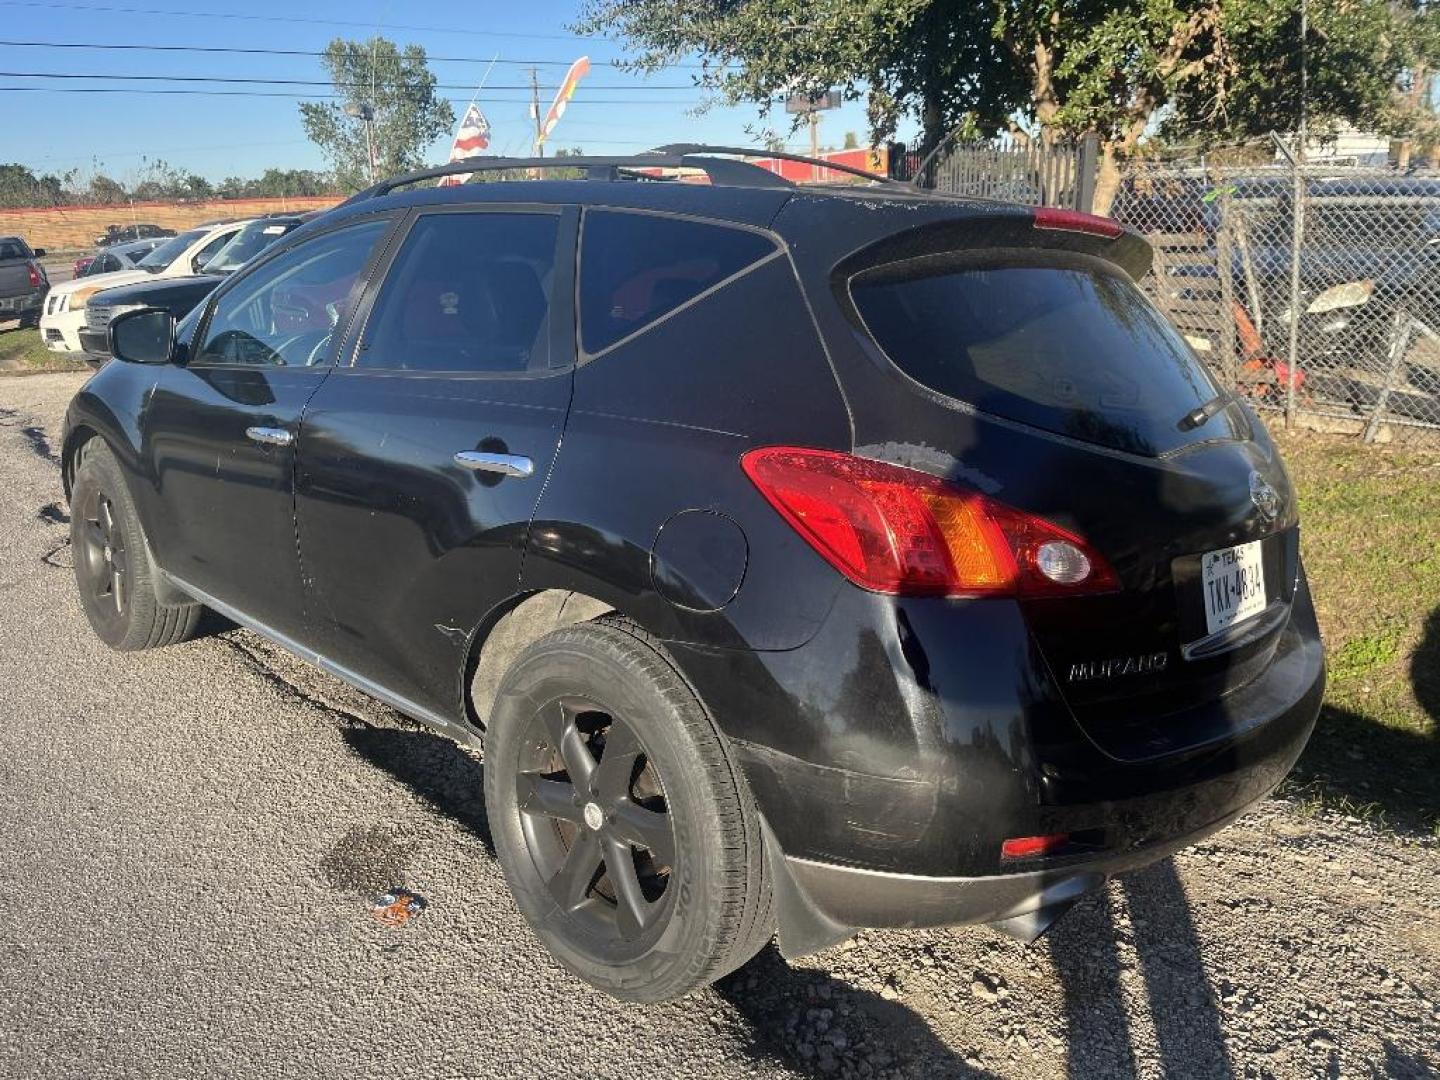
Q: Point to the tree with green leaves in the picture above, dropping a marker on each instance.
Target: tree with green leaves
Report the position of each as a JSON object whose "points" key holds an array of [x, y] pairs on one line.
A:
{"points": [[1368, 63], [398, 88], [1047, 68], [105, 191], [21, 187], [936, 60]]}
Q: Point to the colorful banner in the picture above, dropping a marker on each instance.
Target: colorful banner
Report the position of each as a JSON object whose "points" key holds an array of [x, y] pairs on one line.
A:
{"points": [[577, 72]]}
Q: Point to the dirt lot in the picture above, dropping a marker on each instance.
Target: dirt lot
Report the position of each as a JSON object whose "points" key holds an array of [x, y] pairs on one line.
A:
{"points": [[193, 838], [74, 228]]}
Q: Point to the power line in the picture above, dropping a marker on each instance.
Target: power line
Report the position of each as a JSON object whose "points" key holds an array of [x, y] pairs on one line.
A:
{"points": [[115, 9], [238, 51], [251, 80], [633, 103]]}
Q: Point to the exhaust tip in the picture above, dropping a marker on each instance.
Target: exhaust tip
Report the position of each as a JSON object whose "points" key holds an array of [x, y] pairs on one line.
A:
{"points": [[1044, 909], [1031, 925]]}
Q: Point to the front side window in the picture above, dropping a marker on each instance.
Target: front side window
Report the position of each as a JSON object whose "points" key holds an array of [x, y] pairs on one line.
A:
{"points": [[637, 268], [285, 312], [467, 293]]}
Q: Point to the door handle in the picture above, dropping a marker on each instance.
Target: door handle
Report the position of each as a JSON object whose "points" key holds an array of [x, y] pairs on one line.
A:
{"points": [[504, 464], [270, 436]]}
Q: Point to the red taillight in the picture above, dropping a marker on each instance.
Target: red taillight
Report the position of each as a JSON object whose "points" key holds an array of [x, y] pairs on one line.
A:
{"points": [[1049, 217], [1029, 847], [895, 530], [36, 278]]}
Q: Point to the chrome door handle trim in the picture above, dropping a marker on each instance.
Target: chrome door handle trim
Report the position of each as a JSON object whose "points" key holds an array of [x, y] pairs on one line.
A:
{"points": [[270, 436], [504, 464]]}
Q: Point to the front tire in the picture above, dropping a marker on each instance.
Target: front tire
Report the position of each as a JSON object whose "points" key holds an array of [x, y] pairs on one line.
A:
{"points": [[113, 572], [628, 840]]}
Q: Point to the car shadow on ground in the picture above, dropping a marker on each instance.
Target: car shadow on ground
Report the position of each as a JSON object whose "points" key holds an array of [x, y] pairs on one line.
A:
{"points": [[1353, 756], [780, 1002], [450, 779], [1085, 947], [813, 1022]]}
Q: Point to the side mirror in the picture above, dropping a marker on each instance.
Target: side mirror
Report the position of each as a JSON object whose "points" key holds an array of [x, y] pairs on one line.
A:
{"points": [[197, 263], [39, 252], [146, 336]]}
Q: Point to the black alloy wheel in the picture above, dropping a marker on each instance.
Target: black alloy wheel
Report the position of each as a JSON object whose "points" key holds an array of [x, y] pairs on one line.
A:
{"points": [[104, 553], [630, 843], [596, 821], [113, 572]]}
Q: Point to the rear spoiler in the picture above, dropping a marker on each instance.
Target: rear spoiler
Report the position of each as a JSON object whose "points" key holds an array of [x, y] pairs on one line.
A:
{"points": [[1042, 228]]}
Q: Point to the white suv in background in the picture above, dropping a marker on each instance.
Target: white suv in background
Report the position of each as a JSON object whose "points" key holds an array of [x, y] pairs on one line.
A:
{"points": [[64, 313]]}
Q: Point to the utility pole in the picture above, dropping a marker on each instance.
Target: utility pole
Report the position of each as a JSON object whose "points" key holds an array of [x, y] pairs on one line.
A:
{"points": [[366, 112], [814, 118], [535, 111]]}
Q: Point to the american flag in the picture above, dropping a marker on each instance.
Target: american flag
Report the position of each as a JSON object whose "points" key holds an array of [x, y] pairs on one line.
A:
{"points": [[473, 137]]}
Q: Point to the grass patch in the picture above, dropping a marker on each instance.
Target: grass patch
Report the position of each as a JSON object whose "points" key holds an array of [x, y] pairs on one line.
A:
{"points": [[1368, 654], [23, 351], [1370, 534]]}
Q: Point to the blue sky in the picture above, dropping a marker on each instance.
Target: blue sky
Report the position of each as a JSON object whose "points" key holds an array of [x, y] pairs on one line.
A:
{"points": [[219, 136]]}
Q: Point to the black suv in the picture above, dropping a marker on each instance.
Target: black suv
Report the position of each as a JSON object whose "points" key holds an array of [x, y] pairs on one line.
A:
{"points": [[120, 234], [811, 557]]}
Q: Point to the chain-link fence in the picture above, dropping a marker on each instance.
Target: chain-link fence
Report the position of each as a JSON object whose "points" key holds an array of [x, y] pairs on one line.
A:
{"points": [[1313, 289], [1310, 288]]}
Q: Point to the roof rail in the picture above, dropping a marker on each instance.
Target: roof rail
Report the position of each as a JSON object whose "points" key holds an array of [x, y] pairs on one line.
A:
{"points": [[723, 170], [835, 166], [719, 170]]}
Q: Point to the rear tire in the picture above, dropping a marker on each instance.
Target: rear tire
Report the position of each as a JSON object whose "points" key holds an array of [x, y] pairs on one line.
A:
{"points": [[113, 572], [598, 755]]}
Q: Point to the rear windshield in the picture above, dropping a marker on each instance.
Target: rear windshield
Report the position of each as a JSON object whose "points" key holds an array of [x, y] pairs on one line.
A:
{"points": [[171, 250], [1070, 346]]}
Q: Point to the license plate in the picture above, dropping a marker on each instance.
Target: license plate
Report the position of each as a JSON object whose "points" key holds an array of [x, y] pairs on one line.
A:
{"points": [[1234, 582]]}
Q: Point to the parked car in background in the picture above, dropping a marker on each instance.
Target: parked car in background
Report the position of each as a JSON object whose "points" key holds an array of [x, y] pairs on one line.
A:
{"points": [[23, 283], [124, 256], [178, 295], [821, 556], [119, 234], [1369, 271], [64, 312]]}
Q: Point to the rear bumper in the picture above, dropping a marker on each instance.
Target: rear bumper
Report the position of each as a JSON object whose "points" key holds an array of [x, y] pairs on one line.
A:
{"points": [[820, 902], [27, 304], [852, 897], [892, 760]]}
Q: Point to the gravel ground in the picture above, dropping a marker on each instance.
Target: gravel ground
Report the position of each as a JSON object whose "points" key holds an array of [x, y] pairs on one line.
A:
{"points": [[193, 838]]}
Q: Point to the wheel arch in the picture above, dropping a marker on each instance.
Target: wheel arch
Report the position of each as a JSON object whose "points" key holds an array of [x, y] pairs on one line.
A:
{"points": [[512, 628], [75, 440]]}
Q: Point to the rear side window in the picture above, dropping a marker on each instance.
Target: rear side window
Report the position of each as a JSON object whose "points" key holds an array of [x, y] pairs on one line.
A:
{"points": [[637, 268], [1073, 348]]}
